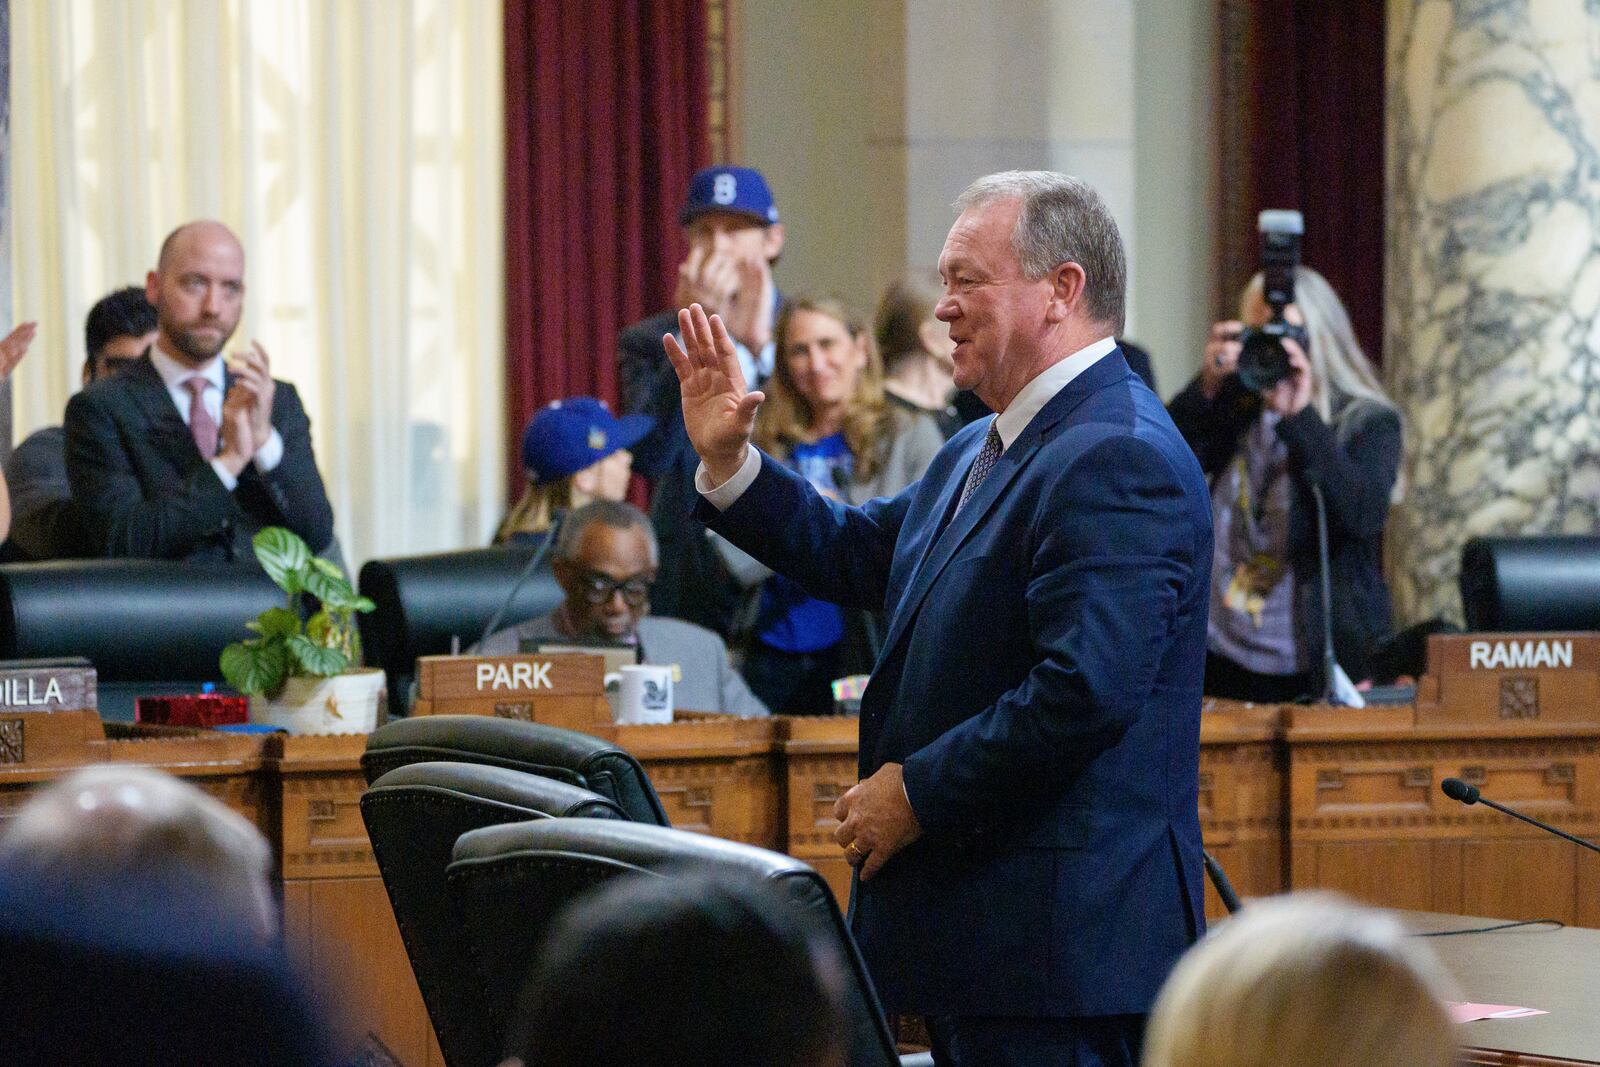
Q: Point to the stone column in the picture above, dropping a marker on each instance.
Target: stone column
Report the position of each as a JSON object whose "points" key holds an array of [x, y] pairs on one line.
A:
{"points": [[1493, 280]]}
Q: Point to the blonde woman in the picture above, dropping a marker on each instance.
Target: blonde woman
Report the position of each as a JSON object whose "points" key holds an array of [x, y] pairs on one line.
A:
{"points": [[1306, 980], [827, 417], [573, 451], [1330, 426]]}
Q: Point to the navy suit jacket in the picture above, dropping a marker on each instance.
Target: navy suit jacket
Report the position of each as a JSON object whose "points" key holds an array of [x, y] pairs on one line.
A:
{"points": [[1040, 683]]}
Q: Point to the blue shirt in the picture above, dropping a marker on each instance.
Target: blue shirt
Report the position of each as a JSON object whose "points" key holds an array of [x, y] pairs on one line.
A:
{"points": [[791, 621]]}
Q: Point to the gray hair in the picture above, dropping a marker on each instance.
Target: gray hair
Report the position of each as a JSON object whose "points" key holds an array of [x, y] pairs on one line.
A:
{"points": [[617, 514], [122, 820], [1063, 220]]}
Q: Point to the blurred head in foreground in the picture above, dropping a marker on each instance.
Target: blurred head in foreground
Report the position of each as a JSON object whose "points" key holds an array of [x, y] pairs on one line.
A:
{"points": [[681, 972], [1307, 980]]}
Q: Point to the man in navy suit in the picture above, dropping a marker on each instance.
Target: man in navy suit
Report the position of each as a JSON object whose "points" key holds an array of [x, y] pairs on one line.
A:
{"points": [[1026, 828]]}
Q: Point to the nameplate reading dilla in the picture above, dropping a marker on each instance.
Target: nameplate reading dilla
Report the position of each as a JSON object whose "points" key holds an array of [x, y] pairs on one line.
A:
{"points": [[47, 687]]}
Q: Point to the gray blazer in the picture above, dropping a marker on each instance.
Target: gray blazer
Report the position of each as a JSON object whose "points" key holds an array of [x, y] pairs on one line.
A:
{"points": [[706, 681], [912, 446]]}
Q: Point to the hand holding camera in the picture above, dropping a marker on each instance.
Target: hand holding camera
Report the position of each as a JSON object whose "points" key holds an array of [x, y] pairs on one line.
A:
{"points": [[1291, 395], [1222, 356]]}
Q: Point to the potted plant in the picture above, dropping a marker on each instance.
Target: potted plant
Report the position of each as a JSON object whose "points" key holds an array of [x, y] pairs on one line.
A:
{"points": [[299, 675]]}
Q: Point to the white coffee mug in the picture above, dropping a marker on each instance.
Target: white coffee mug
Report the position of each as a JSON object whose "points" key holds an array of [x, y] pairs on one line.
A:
{"points": [[640, 694]]}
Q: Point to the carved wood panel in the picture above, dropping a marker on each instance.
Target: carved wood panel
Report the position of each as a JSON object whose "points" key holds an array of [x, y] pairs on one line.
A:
{"points": [[323, 835], [737, 799]]}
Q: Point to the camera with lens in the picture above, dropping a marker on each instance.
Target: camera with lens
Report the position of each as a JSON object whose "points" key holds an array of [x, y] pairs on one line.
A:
{"points": [[1263, 361]]}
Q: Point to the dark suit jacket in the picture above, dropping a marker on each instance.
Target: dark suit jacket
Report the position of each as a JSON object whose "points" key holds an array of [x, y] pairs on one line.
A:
{"points": [[145, 490], [1355, 463], [44, 522], [1040, 682]]}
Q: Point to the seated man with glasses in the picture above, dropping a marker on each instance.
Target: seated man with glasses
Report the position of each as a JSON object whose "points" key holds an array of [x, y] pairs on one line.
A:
{"points": [[605, 559]]}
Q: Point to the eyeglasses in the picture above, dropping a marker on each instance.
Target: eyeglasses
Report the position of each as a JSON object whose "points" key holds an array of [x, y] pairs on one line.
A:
{"points": [[598, 588]]}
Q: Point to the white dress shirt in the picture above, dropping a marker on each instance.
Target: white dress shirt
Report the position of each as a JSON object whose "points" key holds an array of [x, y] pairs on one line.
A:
{"points": [[176, 376], [1010, 423]]}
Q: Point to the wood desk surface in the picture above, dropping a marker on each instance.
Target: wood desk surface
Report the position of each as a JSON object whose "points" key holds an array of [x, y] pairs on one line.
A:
{"points": [[1555, 970]]}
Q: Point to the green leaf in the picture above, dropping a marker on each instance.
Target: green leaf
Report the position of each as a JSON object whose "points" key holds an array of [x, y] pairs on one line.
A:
{"points": [[318, 627], [332, 589], [326, 567], [276, 622], [283, 556], [255, 667], [314, 659], [363, 605]]}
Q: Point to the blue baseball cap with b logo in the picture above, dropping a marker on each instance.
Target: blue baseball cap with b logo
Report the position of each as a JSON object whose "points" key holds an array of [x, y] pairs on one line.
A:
{"points": [[739, 190]]}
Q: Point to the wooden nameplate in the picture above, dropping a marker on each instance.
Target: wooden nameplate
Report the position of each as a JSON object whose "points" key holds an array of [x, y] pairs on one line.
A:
{"points": [[559, 689], [1525, 679]]}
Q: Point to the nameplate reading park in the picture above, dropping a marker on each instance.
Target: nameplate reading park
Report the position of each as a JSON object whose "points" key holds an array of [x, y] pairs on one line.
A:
{"points": [[1548, 677], [565, 689]]}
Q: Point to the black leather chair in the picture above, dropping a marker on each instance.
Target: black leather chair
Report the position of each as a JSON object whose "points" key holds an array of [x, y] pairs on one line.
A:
{"points": [[424, 601], [148, 626], [564, 755], [509, 883], [414, 815], [1518, 584]]}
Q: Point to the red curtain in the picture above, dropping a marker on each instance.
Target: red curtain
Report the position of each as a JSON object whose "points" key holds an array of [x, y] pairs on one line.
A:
{"points": [[1303, 127], [605, 108]]}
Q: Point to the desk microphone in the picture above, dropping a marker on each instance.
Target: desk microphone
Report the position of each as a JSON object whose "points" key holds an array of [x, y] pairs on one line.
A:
{"points": [[534, 560], [1456, 789]]}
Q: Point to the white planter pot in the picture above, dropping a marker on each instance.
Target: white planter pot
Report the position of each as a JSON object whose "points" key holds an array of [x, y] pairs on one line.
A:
{"points": [[344, 704]]}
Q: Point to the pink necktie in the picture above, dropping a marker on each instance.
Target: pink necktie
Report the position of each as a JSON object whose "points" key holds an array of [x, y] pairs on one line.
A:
{"points": [[201, 424]]}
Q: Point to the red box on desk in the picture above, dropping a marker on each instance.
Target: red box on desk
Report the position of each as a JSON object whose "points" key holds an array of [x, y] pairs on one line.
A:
{"points": [[201, 709]]}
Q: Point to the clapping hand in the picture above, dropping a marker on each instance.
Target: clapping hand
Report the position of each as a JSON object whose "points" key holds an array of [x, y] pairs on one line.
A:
{"points": [[238, 433], [253, 370], [13, 346], [749, 311], [708, 278], [718, 412]]}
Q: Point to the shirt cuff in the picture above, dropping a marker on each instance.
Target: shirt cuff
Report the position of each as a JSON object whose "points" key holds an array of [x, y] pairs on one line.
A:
{"points": [[269, 455], [722, 496], [229, 482]]}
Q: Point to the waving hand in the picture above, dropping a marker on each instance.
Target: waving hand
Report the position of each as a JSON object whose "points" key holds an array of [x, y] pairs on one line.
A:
{"points": [[718, 412]]}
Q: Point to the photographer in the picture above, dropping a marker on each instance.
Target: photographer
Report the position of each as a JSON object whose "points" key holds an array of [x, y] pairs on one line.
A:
{"points": [[1326, 423]]}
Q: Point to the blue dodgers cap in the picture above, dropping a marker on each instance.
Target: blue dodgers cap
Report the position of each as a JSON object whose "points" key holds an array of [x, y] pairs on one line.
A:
{"points": [[740, 190], [565, 436]]}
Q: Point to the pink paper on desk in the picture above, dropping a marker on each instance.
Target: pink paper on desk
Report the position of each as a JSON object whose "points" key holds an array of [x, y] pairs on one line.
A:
{"points": [[1467, 1013]]}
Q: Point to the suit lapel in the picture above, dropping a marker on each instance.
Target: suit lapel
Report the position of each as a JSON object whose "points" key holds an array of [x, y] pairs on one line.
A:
{"points": [[168, 432], [1110, 368]]}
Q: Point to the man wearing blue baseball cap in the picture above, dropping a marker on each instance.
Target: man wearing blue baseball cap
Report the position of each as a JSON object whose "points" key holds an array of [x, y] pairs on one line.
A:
{"points": [[731, 223]]}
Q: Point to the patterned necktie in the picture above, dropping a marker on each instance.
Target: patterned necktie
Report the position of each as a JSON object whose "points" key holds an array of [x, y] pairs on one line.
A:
{"points": [[201, 424], [987, 455]]}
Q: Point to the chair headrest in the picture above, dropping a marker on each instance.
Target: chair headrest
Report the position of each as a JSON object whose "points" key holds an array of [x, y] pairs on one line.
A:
{"points": [[135, 620], [497, 785], [532, 869], [1512, 584], [642, 847], [565, 755], [423, 601]]}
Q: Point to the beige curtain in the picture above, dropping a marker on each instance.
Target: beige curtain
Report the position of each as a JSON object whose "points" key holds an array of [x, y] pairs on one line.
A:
{"points": [[355, 147]]}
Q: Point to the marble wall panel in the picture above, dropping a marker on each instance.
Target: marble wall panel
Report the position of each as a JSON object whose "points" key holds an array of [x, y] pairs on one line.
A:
{"points": [[1493, 281]]}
